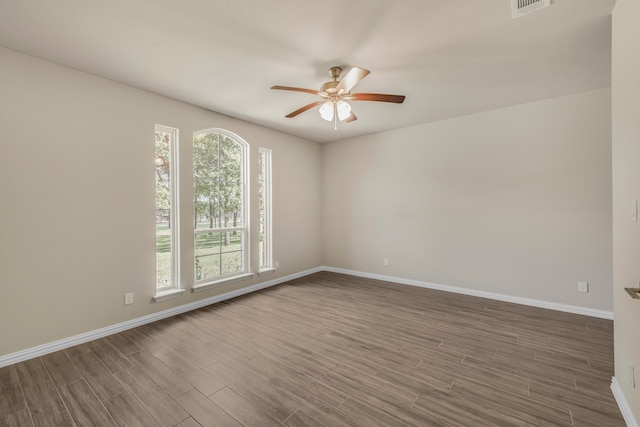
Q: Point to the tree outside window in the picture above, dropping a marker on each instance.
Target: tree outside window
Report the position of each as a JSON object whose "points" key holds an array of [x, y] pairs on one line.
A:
{"points": [[219, 205]]}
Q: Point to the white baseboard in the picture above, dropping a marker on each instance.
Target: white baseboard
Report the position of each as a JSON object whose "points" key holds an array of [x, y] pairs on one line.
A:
{"points": [[41, 350], [623, 404], [482, 294], [30, 353]]}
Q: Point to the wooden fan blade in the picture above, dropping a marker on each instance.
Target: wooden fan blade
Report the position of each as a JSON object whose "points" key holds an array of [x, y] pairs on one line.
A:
{"points": [[295, 89], [351, 118], [351, 79], [303, 109], [380, 97]]}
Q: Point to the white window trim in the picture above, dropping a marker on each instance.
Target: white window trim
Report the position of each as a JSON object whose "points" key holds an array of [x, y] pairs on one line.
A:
{"points": [[174, 286], [221, 281], [200, 285], [268, 213], [168, 294], [266, 270]]}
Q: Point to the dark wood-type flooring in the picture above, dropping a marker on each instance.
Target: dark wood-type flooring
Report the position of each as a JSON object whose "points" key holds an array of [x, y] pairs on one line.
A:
{"points": [[329, 350]]}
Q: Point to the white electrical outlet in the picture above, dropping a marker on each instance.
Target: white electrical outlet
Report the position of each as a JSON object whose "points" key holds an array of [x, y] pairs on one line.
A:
{"points": [[386, 262], [583, 287], [276, 264], [128, 298]]}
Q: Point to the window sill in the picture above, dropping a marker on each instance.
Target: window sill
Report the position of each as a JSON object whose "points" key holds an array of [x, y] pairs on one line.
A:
{"points": [[215, 284], [168, 294], [266, 270]]}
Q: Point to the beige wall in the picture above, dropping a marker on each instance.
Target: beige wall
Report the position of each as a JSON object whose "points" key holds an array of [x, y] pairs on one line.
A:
{"points": [[626, 187], [515, 201], [77, 200]]}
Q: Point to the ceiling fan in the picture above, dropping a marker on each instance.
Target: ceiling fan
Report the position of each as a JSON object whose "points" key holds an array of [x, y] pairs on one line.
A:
{"points": [[335, 94]]}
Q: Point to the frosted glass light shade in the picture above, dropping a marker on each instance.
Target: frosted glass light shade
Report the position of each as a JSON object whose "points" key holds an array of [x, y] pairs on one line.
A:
{"points": [[326, 111], [344, 110]]}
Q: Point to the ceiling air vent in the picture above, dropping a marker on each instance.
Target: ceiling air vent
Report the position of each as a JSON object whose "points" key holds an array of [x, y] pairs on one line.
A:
{"points": [[522, 7]]}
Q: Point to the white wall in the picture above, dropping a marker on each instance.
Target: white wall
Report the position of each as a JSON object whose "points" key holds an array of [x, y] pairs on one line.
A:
{"points": [[77, 200], [626, 187], [515, 201]]}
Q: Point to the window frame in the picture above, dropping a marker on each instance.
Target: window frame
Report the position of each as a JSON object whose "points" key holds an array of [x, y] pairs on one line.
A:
{"points": [[244, 229], [265, 215], [174, 286]]}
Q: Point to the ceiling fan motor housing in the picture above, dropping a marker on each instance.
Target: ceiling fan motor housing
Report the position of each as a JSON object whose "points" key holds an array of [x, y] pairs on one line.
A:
{"points": [[330, 87]]}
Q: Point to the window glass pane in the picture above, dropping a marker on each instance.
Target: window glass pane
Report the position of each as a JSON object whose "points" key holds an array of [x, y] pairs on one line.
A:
{"points": [[261, 251], [207, 253], [231, 262], [218, 253], [230, 190], [217, 162], [163, 151], [264, 208], [205, 179], [261, 218], [219, 198]]}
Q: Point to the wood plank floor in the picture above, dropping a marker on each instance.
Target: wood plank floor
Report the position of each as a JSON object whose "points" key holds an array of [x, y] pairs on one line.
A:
{"points": [[329, 350]]}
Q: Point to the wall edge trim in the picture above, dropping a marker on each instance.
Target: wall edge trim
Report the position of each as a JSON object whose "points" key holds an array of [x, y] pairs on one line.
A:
{"points": [[618, 394], [591, 312], [41, 350]]}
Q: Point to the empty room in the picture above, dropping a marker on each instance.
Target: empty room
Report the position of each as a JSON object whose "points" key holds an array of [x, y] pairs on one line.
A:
{"points": [[361, 212]]}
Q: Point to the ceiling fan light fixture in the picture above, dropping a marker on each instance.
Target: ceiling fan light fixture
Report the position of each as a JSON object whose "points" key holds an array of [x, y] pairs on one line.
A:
{"points": [[332, 106], [326, 111], [344, 110]]}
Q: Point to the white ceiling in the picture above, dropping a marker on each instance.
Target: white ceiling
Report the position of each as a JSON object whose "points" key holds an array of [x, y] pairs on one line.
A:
{"points": [[449, 57]]}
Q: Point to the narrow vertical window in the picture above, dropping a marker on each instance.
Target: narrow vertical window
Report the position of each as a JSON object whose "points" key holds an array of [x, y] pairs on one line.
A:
{"points": [[264, 209], [166, 156], [220, 207]]}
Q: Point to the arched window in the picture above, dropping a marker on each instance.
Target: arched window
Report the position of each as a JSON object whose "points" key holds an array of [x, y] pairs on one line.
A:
{"points": [[220, 206]]}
